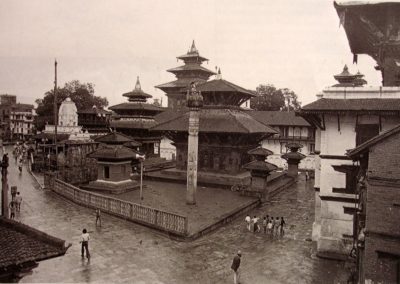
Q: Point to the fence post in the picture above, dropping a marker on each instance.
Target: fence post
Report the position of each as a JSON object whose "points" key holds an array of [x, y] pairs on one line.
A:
{"points": [[156, 217]]}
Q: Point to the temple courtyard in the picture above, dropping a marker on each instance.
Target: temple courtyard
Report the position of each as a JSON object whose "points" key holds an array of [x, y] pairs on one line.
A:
{"points": [[124, 252]]}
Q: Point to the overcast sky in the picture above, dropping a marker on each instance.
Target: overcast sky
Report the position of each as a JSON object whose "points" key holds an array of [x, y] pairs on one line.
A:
{"points": [[294, 44]]}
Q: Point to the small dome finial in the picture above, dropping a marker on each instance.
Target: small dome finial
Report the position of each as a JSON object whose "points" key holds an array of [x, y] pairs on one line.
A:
{"points": [[219, 76], [137, 86], [345, 68]]}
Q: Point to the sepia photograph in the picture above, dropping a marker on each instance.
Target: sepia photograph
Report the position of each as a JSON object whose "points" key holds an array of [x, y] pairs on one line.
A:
{"points": [[183, 141]]}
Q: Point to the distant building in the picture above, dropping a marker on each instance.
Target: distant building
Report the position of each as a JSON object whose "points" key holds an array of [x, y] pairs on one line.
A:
{"points": [[94, 120], [377, 211], [21, 121], [135, 117], [16, 119], [191, 71], [291, 128], [345, 117]]}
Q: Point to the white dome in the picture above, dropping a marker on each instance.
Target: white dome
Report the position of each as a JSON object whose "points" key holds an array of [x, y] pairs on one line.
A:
{"points": [[67, 115]]}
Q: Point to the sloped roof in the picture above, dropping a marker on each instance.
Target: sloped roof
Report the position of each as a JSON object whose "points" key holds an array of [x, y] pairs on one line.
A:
{"points": [[221, 85], [133, 124], [354, 153], [180, 83], [218, 120], [169, 114], [260, 151], [276, 118], [136, 106], [94, 111], [113, 152], [114, 138], [20, 243], [376, 104], [190, 67]]}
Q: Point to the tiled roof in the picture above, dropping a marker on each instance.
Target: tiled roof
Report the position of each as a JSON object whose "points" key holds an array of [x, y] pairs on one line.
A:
{"points": [[169, 114], [136, 106], [94, 111], [113, 152], [354, 153], [190, 67], [50, 136], [221, 85], [180, 83], [376, 104], [276, 118], [133, 124], [260, 151], [20, 243], [137, 93], [114, 138], [218, 120]]}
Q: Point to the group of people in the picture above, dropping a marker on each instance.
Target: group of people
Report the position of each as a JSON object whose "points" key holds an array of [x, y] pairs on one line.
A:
{"points": [[272, 226], [15, 205], [19, 154]]}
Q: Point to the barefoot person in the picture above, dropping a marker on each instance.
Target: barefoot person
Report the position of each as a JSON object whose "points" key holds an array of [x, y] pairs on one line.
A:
{"points": [[98, 216]]}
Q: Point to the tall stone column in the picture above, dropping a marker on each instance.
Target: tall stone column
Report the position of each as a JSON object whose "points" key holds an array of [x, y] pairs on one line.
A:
{"points": [[194, 102], [293, 158]]}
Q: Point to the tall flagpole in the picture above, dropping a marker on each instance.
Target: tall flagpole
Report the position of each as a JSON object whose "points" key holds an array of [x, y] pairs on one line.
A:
{"points": [[55, 110]]}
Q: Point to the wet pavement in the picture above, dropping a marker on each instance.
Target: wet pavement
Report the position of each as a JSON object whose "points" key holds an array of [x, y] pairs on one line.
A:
{"points": [[124, 252]]}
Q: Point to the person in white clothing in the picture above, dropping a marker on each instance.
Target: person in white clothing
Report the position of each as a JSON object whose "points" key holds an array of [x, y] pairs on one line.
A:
{"points": [[248, 222], [85, 243]]}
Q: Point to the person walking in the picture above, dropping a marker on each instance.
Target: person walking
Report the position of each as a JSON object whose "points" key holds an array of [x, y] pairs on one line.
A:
{"points": [[20, 165], [236, 267], [283, 223], [18, 201], [98, 216], [85, 243], [255, 224], [248, 221], [13, 208], [264, 223], [277, 226], [270, 228]]}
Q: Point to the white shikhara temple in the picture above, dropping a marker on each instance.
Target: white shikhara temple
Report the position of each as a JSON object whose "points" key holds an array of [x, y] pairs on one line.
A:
{"points": [[68, 122]]}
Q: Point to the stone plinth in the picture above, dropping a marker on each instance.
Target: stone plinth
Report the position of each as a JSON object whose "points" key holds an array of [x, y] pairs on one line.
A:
{"points": [[293, 158], [259, 170]]}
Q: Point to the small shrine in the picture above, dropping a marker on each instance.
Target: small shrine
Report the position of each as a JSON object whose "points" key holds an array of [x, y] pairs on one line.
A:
{"points": [[115, 138], [293, 158], [346, 79], [135, 117], [260, 169], [68, 122], [114, 170]]}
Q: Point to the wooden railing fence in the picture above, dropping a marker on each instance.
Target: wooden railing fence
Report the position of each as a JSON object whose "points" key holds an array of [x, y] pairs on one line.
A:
{"points": [[165, 221]]}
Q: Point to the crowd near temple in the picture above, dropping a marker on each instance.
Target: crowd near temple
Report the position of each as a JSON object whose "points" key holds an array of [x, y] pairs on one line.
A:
{"points": [[208, 135]]}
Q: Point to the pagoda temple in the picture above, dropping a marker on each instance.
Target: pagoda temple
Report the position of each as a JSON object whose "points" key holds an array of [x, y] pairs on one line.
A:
{"points": [[191, 71], [226, 132], [135, 117]]}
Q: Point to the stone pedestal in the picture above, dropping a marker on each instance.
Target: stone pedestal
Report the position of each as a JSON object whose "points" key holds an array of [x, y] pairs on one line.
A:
{"points": [[293, 158], [259, 170]]}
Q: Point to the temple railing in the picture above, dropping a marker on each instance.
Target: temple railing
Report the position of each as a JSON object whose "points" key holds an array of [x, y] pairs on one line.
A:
{"points": [[158, 219]]}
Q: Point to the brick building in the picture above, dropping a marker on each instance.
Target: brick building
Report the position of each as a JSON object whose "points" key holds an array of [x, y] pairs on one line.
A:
{"points": [[376, 222]]}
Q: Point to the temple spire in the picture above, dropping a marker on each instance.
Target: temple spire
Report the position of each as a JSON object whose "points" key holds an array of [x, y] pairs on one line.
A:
{"points": [[138, 87], [219, 76], [193, 48]]}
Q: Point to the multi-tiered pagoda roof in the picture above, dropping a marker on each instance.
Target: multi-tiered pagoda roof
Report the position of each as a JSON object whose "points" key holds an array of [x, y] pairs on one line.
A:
{"points": [[226, 132], [191, 71]]}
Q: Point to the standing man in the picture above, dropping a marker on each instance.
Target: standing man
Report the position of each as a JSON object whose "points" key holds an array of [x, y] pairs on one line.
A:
{"points": [[13, 208], [235, 267], [248, 221], [85, 243], [18, 201], [98, 216]]}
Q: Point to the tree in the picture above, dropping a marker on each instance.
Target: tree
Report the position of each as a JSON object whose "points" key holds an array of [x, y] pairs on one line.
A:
{"points": [[273, 99], [82, 94]]}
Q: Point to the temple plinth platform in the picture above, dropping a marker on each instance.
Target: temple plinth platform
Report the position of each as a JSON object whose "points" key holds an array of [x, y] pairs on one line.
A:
{"points": [[114, 187], [208, 178]]}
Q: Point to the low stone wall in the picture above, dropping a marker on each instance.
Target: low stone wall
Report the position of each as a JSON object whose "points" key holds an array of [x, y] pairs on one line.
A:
{"points": [[170, 223]]}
